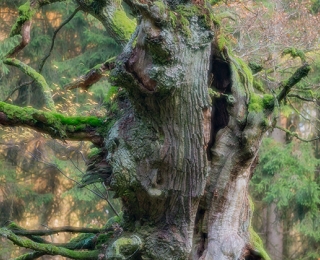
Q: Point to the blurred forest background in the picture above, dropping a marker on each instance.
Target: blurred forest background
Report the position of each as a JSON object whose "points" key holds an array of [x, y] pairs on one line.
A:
{"points": [[39, 177]]}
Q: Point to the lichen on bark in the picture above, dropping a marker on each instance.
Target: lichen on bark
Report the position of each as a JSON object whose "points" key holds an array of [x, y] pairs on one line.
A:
{"points": [[182, 135]]}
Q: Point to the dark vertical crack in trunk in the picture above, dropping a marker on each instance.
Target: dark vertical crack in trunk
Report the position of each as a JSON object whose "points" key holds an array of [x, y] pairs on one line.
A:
{"points": [[221, 83]]}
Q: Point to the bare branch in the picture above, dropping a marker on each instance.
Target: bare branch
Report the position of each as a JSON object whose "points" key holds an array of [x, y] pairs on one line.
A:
{"points": [[91, 77], [302, 98], [17, 88], [54, 37], [294, 134], [56, 125], [286, 86]]}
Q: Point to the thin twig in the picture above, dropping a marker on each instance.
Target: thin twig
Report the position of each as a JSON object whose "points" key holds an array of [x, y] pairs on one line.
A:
{"points": [[99, 194], [296, 135], [54, 37], [17, 88], [302, 98]]}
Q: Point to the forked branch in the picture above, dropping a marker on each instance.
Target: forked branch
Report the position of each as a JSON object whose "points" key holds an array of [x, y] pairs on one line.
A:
{"points": [[22, 25], [47, 248]]}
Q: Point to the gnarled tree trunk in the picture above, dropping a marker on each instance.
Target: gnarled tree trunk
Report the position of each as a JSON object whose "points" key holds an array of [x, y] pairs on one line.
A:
{"points": [[181, 158], [180, 147]]}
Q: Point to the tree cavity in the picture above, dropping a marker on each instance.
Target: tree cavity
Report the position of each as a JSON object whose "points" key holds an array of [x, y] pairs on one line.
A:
{"points": [[220, 84]]}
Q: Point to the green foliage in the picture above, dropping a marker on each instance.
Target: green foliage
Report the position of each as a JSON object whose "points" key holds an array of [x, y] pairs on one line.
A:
{"points": [[259, 103], [255, 67], [294, 53], [86, 240], [123, 24], [258, 244], [214, 2], [315, 7], [258, 85], [25, 14], [111, 94], [32, 189], [286, 175], [5, 46]]}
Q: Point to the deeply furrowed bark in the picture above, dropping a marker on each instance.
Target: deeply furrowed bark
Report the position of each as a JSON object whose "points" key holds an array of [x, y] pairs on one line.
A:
{"points": [[188, 129], [174, 148]]}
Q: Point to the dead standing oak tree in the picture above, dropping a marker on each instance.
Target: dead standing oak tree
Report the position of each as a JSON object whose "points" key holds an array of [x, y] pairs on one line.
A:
{"points": [[180, 146]]}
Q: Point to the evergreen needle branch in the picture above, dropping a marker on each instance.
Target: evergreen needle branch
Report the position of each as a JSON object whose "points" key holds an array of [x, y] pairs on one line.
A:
{"points": [[286, 86], [54, 37], [294, 134], [35, 76], [47, 248], [107, 199]]}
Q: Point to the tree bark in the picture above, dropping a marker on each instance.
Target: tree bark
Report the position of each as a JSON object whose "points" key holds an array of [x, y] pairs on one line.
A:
{"points": [[183, 140], [174, 147]]}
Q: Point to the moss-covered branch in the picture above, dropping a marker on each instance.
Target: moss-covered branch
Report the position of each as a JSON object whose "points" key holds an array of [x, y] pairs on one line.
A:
{"points": [[22, 26], [45, 89], [92, 76], [111, 14], [30, 256], [56, 125], [86, 240], [47, 248], [55, 230], [286, 86]]}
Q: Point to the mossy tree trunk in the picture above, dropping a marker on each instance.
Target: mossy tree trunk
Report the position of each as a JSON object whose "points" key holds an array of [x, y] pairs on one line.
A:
{"points": [[180, 147], [181, 158]]}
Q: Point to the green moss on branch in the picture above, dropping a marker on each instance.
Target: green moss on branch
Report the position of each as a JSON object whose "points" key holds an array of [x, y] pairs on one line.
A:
{"points": [[30, 256], [259, 103], [25, 14], [122, 24], [298, 75], [37, 77], [24, 232], [52, 123], [47, 248]]}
